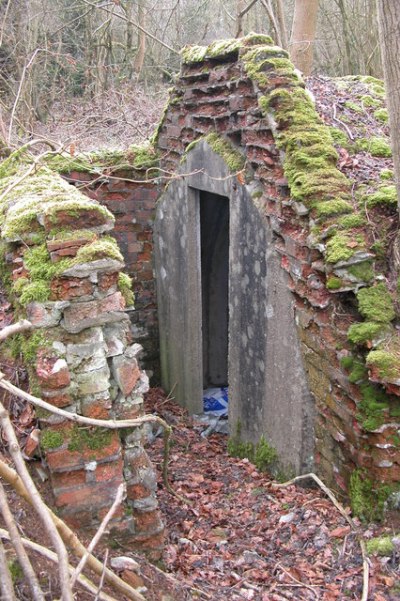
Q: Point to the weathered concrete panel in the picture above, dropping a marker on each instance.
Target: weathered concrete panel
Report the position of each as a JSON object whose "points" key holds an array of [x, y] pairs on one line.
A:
{"points": [[268, 393]]}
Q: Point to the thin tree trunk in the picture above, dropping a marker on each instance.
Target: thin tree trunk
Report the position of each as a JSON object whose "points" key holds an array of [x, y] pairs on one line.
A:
{"points": [[302, 42], [389, 33], [280, 16], [139, 58]]}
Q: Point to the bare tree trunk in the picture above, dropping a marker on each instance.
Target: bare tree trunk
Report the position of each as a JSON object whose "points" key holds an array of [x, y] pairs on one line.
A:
{"points": [[139, 58], [303, 34], [280, 16], [389, 33]]}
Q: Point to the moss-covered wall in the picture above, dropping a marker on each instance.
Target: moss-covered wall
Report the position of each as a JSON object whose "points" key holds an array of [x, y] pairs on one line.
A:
{"points": [[334, 221], [64, 272]]}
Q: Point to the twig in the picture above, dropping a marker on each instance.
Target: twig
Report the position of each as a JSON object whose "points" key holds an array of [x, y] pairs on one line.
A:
{"points": [[99, 534], [101, 583], [22, 557], [70, 537], [20, 326], [298, 582], [348, 519], [37, 502], [6, 585], [103, 423], [82, 580]]}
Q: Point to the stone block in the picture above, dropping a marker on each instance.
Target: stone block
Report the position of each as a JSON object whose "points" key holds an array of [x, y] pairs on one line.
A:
{"points": [[79, 316], [52, 372], [126, 372], [46, 315], [93, 268], [93, 382], [117, 336]]}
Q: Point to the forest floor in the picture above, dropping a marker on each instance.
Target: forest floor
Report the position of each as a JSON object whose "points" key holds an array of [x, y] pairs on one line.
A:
{"points": [[242, 537]]}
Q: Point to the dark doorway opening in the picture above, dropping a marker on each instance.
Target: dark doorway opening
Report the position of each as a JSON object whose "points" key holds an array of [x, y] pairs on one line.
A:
{"points": [[214, 236]]}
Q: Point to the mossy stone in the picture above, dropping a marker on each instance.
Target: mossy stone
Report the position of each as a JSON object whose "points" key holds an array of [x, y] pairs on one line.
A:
{"points": [[376, 304]]}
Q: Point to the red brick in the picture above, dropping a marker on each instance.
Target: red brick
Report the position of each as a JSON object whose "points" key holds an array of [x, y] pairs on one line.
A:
{"points": [[109, 471]]}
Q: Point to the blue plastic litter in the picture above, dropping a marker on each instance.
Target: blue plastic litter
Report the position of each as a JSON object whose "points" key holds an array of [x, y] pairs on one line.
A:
{"points": [[216, 401]]}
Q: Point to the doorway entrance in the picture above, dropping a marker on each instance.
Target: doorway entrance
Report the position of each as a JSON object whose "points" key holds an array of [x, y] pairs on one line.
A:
{"points": [[214, 240]]}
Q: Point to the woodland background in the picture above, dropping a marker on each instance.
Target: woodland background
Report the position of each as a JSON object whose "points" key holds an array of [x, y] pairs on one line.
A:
{"points": [[95, 73]]}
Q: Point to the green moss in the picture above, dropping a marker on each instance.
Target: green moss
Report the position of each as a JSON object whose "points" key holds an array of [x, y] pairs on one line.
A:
{"points": [[376, 304], [339, 248], [369, 101], [361, 333], [76, 208], [386, 174], [105, 247], [354, 107], [328, 208], [16, 571], [384, 195], [378, 147], [261, 454], [82, 438], [347, 362], [51, 439], [382, 115], [362, 271], [382, 546], [387, 363], [350, 222], [136, 157], [125, 287], [334, 283], [367, 498], [232, 157], [358, 372], [223, 48], [27, 346], [35, 292], [339, 136], [372, 408], [12, 164]]}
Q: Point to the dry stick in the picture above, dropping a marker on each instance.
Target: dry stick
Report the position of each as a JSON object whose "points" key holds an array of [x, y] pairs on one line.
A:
{"points": [[101, 583], [70, 537], [99, 534], [14, 328], [82, 580], [298, 583], [6, 584], [37, 502], [348, 519], [103, 423], [22, 556]]}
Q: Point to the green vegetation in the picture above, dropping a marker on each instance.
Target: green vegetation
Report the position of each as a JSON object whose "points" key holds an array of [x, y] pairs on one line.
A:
{"points": [[386, 174], [376, 304], [51, 439], [361, 333], [82, 438], [27, 345], [368, 101], [232, 157], [329, 208], [362, 271], [382, 115], [339, 248], [367, 498], [334, 283], [381, 545], [125, 287], [339, 136], [105, 247], [353, 106], [384, 195], [16, 571], [261, 454], [223, 48], [358, 372], [372, 408], [387, 364], [378, 147]]}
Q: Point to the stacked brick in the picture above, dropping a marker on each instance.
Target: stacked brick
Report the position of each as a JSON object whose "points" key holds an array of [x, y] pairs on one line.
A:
{"points": [[132, 204], [85, 359], [215, 93]]}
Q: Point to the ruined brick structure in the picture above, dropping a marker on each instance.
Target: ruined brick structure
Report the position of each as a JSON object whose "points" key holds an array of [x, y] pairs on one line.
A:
{"points": [[307, 334]]}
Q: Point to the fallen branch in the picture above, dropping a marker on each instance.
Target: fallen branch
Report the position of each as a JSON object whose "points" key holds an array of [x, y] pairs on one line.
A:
{"points": [[99, 534], [348, 519], [102, 423], [16, 542], [70, 538], [37, 502], [82, 580], [6, 585], [20, 326]]}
